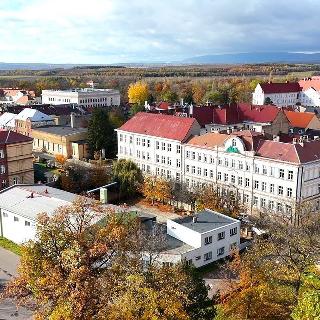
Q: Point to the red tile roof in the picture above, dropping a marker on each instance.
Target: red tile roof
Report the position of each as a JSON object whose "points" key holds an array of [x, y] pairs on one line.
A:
{"points": [[299, 119], [235, 113], [271, 87], [11, 137], [160, 125]]}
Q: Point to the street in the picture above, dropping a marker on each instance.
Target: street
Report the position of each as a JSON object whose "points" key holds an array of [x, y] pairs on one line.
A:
{"points": [[8, 269]]}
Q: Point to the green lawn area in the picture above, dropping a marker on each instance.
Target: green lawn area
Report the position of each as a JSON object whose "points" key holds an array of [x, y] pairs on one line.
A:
{"points": [[9, 245], [40, 169]]}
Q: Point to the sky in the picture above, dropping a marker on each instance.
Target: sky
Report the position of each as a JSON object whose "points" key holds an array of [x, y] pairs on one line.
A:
{"points": [[114, 31]]}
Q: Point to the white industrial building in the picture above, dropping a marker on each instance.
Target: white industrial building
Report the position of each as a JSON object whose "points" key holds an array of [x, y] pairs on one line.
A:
{"points": [[200, 239], [263, 174], [20, 205], [86, 97]]}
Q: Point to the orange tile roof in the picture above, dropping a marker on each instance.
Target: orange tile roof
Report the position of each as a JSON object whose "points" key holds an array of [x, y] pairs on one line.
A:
{"points": [[209, 140], [313, 82], [299, 119]]}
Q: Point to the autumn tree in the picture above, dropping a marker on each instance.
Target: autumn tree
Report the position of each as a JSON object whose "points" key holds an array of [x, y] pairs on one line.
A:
{"points": [[86, 263], [148, 188], [60, 159], [272, 272], [138, 92], [128, 175]]}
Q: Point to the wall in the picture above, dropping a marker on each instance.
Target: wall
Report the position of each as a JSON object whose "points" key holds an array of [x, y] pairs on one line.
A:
{"points": [[17, 231]]}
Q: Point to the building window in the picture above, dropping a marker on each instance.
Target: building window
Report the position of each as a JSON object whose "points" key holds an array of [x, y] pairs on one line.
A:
{"points": [[199, 156], [199, 171], [205, 172], [27, 223], [240, 165], [240, 181], [226, 177], [148, 143], [193, 168], [193, 155], [220, 251], [211, 173], [207, 256], [290, 175], [221, 235], [289, 208], [157, 158], [233, 178], [271, 171], [15, 180], [219, 176], [279, 207], [163, 146], [3, 169], [245, 198], [233, 163], [233, 246], [264, 170], [189, 262], [4, 214], [255, 201], [256, 169], [3, 183], [187, 168], [256, 184], [163, 159], [178, 149], [234, 142], [271, 188], [198, 257], [233, 231], [169, 147], [289, 192], [226, 162], [208, 240], [1, 154], [264, 186], [15, 219], [157, 145], [271, 205], [247, 167], [178, 163], [280, 190], [247, 182], [262, 203], [281, 173]]}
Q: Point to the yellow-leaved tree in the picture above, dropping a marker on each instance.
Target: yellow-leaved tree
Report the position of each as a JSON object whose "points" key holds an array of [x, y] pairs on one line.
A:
{"points": [[138, 92]]}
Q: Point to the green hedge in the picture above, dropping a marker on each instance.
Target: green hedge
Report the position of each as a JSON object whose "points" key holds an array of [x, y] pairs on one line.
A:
{"points": [[9, 245]]}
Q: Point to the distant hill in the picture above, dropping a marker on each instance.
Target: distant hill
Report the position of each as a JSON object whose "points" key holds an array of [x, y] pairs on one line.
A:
{"points": [[34, 66], [259, 57]]}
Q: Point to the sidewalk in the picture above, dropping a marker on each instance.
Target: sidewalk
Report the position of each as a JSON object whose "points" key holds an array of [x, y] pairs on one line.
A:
{"points": [[8, 269]]}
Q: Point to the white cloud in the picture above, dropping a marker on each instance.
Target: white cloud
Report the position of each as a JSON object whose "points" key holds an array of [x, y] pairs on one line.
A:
{"points": [[110, 31]]}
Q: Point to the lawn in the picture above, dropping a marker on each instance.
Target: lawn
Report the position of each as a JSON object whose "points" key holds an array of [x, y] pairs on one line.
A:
{"points": [[9, 245]]}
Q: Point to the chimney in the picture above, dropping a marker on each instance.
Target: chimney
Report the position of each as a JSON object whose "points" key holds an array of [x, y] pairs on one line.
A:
{"points": [[31, 195], [191, 109], [72, 119], [294, 140], [194, 219], [276, 138], [229, 130], [46, 191]]}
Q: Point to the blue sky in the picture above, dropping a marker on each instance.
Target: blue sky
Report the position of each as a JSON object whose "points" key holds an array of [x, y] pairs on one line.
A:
{"points": [[111, 31]]}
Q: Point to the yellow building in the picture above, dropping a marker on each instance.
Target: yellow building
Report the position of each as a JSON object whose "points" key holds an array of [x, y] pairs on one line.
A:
{"points": [[68, 141]]}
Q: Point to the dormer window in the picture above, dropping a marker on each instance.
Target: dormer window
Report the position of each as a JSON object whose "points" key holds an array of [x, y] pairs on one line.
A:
{"points": [[234, 142]]}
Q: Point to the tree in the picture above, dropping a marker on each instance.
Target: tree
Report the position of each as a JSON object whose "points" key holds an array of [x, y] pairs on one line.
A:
{"points": [[308, 306], [61, 159], [169, 96], [272, 272], [128, 175], [267, 101], [87, 264], [134, 109], [101, 134], [148, 188], [138, 92]]}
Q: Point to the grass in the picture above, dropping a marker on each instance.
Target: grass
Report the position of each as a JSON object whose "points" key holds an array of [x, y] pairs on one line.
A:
{"points": [[9, 245]]}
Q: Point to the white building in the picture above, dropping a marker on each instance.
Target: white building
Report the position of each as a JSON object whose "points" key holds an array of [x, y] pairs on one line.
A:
{"points": [[279, 94], [200, 239], [87, 97], [263, 174], [155, 142], [20, 205]]}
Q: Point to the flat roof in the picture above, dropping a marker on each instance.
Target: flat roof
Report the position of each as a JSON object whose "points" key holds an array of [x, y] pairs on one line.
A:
{"points": [[83, 90], [175, 246], [17, 199], [207, 220], [60, 130]]}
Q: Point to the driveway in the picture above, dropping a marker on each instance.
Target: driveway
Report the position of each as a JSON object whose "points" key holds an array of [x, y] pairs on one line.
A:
{"points": [[8, 269]]}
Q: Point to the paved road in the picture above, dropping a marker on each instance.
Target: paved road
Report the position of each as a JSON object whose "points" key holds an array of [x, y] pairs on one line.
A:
{"points": [[8, 269]]}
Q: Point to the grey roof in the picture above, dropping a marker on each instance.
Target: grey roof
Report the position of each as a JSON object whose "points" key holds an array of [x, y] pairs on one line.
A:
{"points": [[17, 199], [60, 130], [175, 246], [207, 220]]}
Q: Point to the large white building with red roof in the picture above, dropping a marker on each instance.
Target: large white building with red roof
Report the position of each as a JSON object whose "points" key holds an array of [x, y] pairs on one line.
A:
{"points": [[306, 92], [263, 174]]}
